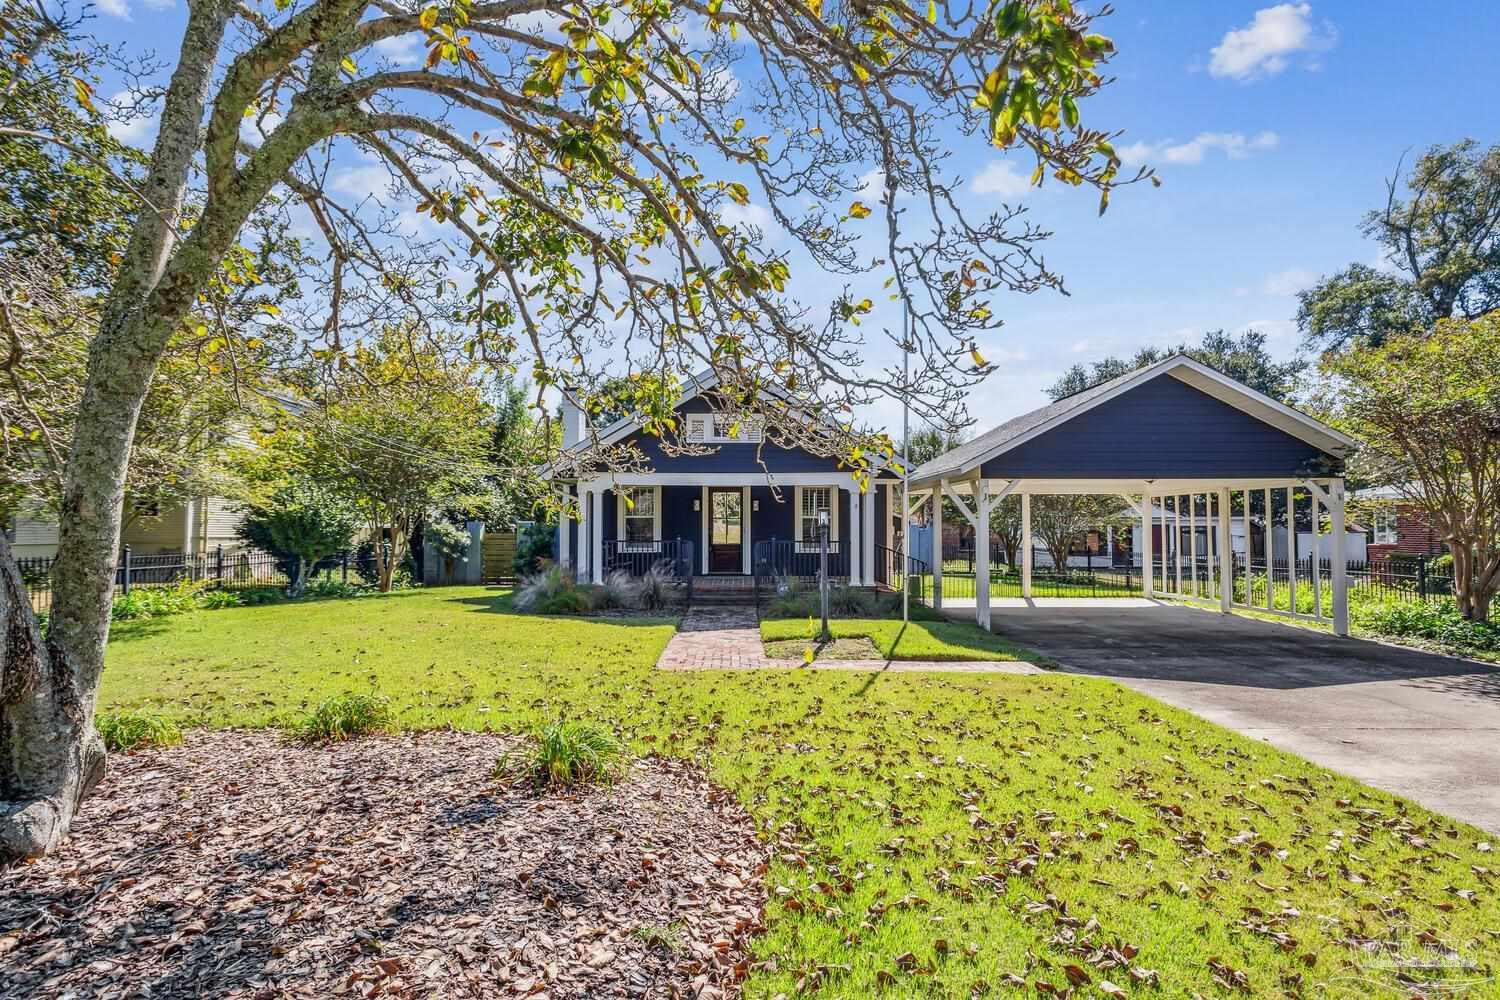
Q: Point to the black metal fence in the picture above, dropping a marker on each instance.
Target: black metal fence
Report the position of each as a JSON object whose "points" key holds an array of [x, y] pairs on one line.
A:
{"points": [[222, 569], [636, 558], [791, 559]]}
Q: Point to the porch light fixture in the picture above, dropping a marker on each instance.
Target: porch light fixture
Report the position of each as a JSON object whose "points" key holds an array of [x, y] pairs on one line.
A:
{"points": [[755, 506], [697, 504]]}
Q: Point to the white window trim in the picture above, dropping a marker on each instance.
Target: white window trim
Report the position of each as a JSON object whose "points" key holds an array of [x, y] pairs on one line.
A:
{"points": [[833, 517], [1390, 515], [621, 544], [700, 430]]}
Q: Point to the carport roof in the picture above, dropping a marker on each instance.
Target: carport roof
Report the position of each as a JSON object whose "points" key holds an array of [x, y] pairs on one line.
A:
{"points": [[964, 462]]}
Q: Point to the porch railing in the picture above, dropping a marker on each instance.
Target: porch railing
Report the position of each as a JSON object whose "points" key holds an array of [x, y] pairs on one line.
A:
{"points": [[637, 558], [775, 558]]}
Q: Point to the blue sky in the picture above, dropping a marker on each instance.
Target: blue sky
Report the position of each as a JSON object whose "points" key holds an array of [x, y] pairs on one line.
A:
{"points": [[1273, 128]]}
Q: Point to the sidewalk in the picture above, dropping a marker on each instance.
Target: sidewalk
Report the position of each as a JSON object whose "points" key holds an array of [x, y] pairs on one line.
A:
{"points": [[728, 638]]}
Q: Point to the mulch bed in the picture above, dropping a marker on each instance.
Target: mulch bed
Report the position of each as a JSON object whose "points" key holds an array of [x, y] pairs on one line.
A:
{"points": [[241, 865]]}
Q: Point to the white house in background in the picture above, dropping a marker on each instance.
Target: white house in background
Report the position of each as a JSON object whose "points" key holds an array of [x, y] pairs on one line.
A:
{"points": [[196, 526], [1308, 542]]}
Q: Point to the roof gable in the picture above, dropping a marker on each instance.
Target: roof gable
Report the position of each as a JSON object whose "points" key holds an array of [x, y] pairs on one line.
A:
{"points": [[1295, 433]]}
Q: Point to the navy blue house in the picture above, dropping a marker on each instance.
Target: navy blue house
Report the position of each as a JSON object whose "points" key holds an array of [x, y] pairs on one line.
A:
{"points": [[745, 508]]}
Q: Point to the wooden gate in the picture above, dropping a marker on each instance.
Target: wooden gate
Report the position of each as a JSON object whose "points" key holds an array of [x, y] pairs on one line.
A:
{"points": [[499, 554]]}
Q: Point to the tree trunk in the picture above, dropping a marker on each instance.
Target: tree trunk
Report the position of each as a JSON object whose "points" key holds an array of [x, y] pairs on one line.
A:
{"points": [[49, 751], [299, 581], [43, 778]]}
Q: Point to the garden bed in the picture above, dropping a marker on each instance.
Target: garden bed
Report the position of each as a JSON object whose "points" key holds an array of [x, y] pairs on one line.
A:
{"points": [[240, 865]]}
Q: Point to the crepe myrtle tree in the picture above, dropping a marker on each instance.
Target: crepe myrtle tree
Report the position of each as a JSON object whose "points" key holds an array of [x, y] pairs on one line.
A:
{"points": [[583, 157]]}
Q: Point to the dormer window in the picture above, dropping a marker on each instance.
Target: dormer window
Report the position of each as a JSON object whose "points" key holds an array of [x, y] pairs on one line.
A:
{"points": [[724, 428]]}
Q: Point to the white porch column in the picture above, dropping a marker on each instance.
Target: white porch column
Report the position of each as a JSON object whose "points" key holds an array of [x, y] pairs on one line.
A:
{"points": [[1226, 555], [1148, 569], [564, 535], [982, 554], [937, 544], [585, 525], [854, 533], [596, 537], [1026, 554], [1340, 581], [867, 538]]}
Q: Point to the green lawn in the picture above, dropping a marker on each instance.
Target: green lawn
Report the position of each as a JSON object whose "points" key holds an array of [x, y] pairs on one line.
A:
{"points": [[1043, 820], [897, 640]]}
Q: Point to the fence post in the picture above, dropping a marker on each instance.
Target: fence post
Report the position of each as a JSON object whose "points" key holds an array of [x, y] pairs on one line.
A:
{"points": [[1422, 575], [126, 561], [219, 563], [344, 560]]}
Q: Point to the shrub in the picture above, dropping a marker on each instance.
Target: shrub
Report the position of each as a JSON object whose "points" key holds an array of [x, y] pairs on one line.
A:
{"points": [[573, 601], [538, 587], [849, 601], [1439, 622], [533, 547], [333, 588], [791, 605], [126, 731], [615, 592], [262, 595], [567, 754], [156, 602], [344, 716], [656, 586], [215, 600]]}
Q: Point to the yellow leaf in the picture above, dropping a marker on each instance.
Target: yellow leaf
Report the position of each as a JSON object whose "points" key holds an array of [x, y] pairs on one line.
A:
{"points": [[859, 210], [348, 65], [807, 655], [429, 18], [979, 361]]}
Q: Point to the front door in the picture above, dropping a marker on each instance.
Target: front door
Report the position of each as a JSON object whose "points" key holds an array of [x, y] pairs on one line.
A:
{"points": [[725, 524]]}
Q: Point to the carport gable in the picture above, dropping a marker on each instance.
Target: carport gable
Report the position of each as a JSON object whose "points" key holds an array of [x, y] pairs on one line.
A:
{"points": [[1176, 420]]}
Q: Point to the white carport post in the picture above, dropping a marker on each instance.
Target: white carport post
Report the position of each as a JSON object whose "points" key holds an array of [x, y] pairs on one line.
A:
{"points": [[979, 517], [1340, 579], [982, 554], [937, 544], [1226, 555], [1148, 559], [1026, 546]]}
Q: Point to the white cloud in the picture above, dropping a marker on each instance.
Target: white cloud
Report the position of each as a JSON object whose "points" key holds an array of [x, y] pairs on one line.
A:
{"points": [[160, 4], [751, 214], [114, 8], [1289, 282], [1265, 45], [1235, 145], [1279, 332], [138, 131], [1000, 177], [256, 127], [400, 48]]}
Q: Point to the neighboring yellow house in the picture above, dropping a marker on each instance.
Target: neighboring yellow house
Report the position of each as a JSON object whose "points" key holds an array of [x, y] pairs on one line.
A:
{"points": [[195, 527]]}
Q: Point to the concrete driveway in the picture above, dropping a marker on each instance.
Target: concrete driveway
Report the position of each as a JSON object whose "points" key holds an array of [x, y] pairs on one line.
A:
{"points": [[1423, 726]]}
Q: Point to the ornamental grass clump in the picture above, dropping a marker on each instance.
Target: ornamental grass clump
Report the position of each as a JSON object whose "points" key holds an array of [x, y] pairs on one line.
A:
{"points": [[564, 755], [129, 731], [343, 717]]}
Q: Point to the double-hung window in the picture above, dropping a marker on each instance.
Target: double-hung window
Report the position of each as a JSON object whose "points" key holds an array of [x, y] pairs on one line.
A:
{"points": [[1385, 525], [639, 518], [813, 500]]}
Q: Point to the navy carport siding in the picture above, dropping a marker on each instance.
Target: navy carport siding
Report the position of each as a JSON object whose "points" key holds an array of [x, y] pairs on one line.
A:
{"points": [[1162, 429]]}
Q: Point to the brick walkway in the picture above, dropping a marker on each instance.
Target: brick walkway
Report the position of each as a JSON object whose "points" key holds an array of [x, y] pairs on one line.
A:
{"points": [[728, 638]]}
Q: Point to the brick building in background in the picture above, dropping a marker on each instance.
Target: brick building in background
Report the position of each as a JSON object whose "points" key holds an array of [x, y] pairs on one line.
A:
{"points": [[1398, 527]]}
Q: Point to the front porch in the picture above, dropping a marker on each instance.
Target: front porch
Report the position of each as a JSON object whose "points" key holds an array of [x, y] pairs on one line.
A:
{"points": [[728, 526]]}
